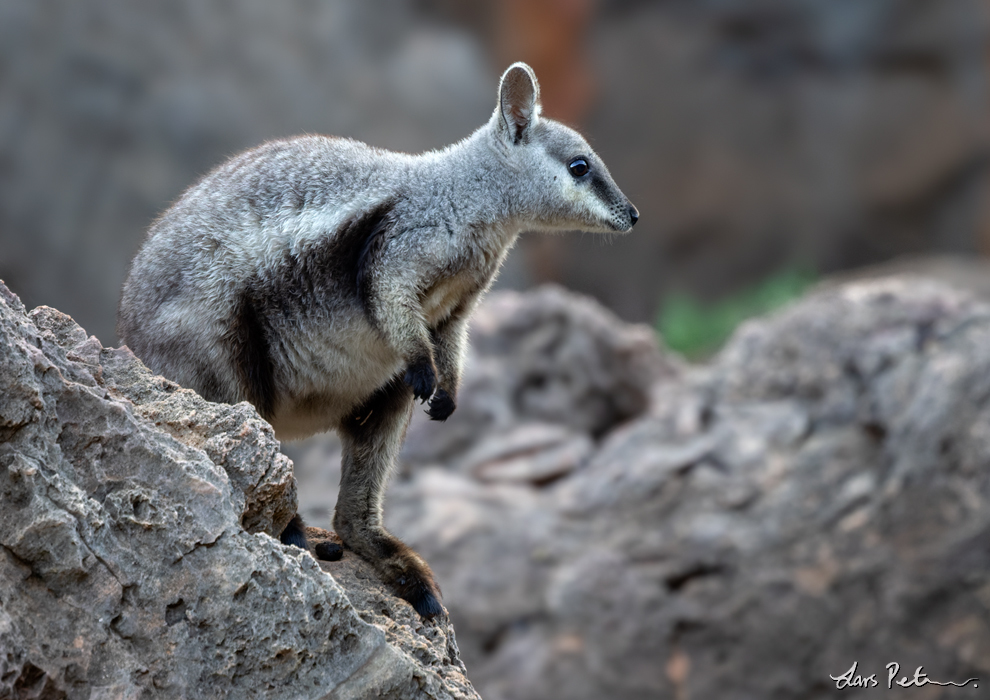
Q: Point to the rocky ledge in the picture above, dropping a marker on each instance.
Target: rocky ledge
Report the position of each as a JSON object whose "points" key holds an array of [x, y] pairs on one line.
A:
{"points": [[136, 556]]}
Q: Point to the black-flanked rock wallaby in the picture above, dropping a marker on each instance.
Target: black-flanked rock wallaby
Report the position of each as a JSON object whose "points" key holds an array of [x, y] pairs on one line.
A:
{"points": [[330, 283]]}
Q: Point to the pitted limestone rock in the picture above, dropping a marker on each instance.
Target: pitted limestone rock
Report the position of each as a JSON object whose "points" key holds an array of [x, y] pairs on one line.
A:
{"points": [[135, 556]]}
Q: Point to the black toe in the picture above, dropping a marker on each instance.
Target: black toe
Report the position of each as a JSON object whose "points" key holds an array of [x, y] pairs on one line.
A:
{"points": [[425, 603]]}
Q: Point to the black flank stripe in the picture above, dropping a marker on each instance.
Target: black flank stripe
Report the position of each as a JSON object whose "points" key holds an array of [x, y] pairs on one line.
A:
{"points": [[339, 265], [371, 229], [251, 354]]}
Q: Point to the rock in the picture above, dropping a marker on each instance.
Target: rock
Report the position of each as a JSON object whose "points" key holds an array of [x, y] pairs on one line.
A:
{"points": [[604, 520], [817, 496], [536, 453], [967, 273], [136, 548]]}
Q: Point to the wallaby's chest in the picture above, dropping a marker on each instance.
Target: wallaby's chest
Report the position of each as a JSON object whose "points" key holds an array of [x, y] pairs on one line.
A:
{"points": [[465, 267], [445, 295]]}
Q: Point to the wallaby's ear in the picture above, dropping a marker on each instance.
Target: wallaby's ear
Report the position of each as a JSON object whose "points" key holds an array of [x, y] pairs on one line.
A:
{"points": [[518, 102]]}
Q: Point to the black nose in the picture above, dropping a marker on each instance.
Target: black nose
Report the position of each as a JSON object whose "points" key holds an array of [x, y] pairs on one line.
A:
{"points": [[633, 214]]}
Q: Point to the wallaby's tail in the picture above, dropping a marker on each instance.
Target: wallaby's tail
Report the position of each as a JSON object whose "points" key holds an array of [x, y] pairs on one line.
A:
{"points": [[294, 533]]}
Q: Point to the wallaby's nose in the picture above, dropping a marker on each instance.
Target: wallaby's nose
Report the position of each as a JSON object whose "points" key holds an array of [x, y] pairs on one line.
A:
{"points": [[633, 214]]}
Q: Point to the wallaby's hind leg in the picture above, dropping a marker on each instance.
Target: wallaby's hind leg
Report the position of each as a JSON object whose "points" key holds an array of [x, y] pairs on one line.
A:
{"points": [[371, 437]]}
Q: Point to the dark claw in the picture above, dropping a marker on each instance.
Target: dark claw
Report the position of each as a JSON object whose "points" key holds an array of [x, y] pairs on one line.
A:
{"points": [[421, 377], [441, 406], [328, 551]]}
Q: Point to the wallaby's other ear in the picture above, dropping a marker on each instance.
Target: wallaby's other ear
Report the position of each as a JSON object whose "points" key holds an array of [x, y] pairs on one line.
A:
{"points": [[518, 102]]}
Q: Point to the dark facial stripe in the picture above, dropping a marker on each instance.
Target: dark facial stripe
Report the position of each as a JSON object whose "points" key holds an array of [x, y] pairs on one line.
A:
{"points": [[601, 189]]}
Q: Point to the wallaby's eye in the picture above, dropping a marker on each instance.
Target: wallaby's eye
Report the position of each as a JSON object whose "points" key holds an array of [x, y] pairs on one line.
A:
{"points": [[578, 167]]}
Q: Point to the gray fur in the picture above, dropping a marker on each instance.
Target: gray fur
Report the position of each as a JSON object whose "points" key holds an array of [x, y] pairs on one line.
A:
{"points": [[312, 274]]}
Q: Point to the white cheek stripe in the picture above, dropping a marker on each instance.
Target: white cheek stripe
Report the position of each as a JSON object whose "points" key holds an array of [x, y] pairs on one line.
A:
{"points": [[585, 199]]}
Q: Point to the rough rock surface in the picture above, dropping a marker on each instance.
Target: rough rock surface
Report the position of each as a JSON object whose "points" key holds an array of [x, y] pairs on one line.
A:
{"points": [[135, 550], [817, 496]]}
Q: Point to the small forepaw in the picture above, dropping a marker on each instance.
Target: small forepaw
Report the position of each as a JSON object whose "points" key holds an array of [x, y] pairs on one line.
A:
{"points": [[441, 406], [422, 378]]}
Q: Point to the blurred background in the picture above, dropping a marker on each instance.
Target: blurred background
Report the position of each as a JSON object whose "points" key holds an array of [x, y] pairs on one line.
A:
{"points": [[765, 142]]}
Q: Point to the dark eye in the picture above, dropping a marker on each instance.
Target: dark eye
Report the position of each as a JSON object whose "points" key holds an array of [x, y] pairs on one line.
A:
{"points": [[578, 167]]}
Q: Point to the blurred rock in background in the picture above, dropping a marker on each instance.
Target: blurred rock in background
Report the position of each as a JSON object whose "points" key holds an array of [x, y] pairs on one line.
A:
{"points": [[751, 134], [814, 497], [762, 133]]}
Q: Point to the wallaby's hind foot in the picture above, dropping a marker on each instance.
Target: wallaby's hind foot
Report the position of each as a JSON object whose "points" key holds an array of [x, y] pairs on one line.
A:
{"points": [[410, 578], [399, 567], [371, 438]]}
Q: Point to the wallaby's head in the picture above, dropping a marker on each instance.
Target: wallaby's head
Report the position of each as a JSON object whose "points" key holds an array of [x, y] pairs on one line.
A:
{"points": [[559, 182]]}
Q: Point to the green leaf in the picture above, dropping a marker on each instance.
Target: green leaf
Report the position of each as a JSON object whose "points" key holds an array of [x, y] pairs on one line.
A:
{"points": [[696, 329]]}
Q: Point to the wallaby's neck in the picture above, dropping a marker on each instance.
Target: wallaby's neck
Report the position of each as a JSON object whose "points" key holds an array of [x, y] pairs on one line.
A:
{"points": [[472, 184]]}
